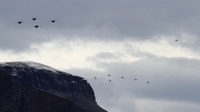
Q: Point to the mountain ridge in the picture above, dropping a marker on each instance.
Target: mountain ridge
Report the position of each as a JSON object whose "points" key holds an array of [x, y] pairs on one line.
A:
{"points": [[54, 82], [16, 96]]}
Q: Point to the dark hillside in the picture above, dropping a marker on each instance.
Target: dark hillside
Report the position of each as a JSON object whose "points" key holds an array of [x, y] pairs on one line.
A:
{"points": [[16, 96], [49, 80]]}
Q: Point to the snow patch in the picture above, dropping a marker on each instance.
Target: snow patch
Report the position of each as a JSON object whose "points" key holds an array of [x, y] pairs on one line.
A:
{"points": [[14, 74], [30, 64], [40, 66]]}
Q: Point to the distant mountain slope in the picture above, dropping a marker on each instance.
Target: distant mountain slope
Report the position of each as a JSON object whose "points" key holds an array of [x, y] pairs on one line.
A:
{"points": [[55, 82], [16, 96]]}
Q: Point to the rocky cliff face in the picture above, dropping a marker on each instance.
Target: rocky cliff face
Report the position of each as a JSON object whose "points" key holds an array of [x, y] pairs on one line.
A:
{"points": [[16, 96], [54, 82]]}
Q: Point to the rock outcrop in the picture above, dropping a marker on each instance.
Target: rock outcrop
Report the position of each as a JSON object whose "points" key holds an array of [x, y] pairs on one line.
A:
{"points": [[16, 96], [53, 83]]}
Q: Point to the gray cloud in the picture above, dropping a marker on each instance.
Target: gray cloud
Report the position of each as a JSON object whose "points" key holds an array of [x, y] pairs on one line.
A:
{"points": [[100, 19], [171, 80]]}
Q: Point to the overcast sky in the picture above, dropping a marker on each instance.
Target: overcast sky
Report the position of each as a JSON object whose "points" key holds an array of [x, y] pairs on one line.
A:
{"points": [[129, 38]]}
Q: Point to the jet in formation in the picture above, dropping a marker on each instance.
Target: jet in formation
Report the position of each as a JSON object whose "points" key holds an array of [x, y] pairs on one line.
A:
{"points": [[53, 20], [19, 22], [36, 26], [33, 18]]}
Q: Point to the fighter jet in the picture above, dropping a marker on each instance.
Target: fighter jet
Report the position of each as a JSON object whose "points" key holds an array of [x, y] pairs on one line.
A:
{"points": [[176, 40], [19, 22], [135, 79], [36, 26], [33, 18], [109, 80], [53, 20], [109, 75], [148, 82], [122, 77]]}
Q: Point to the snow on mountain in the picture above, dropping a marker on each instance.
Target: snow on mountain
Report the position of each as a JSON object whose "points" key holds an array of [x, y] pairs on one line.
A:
{"points": [[48, 79], [28, 64]]}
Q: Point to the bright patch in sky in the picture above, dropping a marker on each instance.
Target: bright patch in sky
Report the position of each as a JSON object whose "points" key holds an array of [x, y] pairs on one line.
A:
{"points": [[63, 54]]}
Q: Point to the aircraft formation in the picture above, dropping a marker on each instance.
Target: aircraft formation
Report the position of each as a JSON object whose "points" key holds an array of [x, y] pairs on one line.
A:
{"points": [[53, 21], [109, 76], [96, 78], [34, 19], [112, 78]]}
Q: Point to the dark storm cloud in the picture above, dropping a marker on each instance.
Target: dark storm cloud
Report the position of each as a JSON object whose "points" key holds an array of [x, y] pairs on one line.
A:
{"points": [[105, 19]]}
